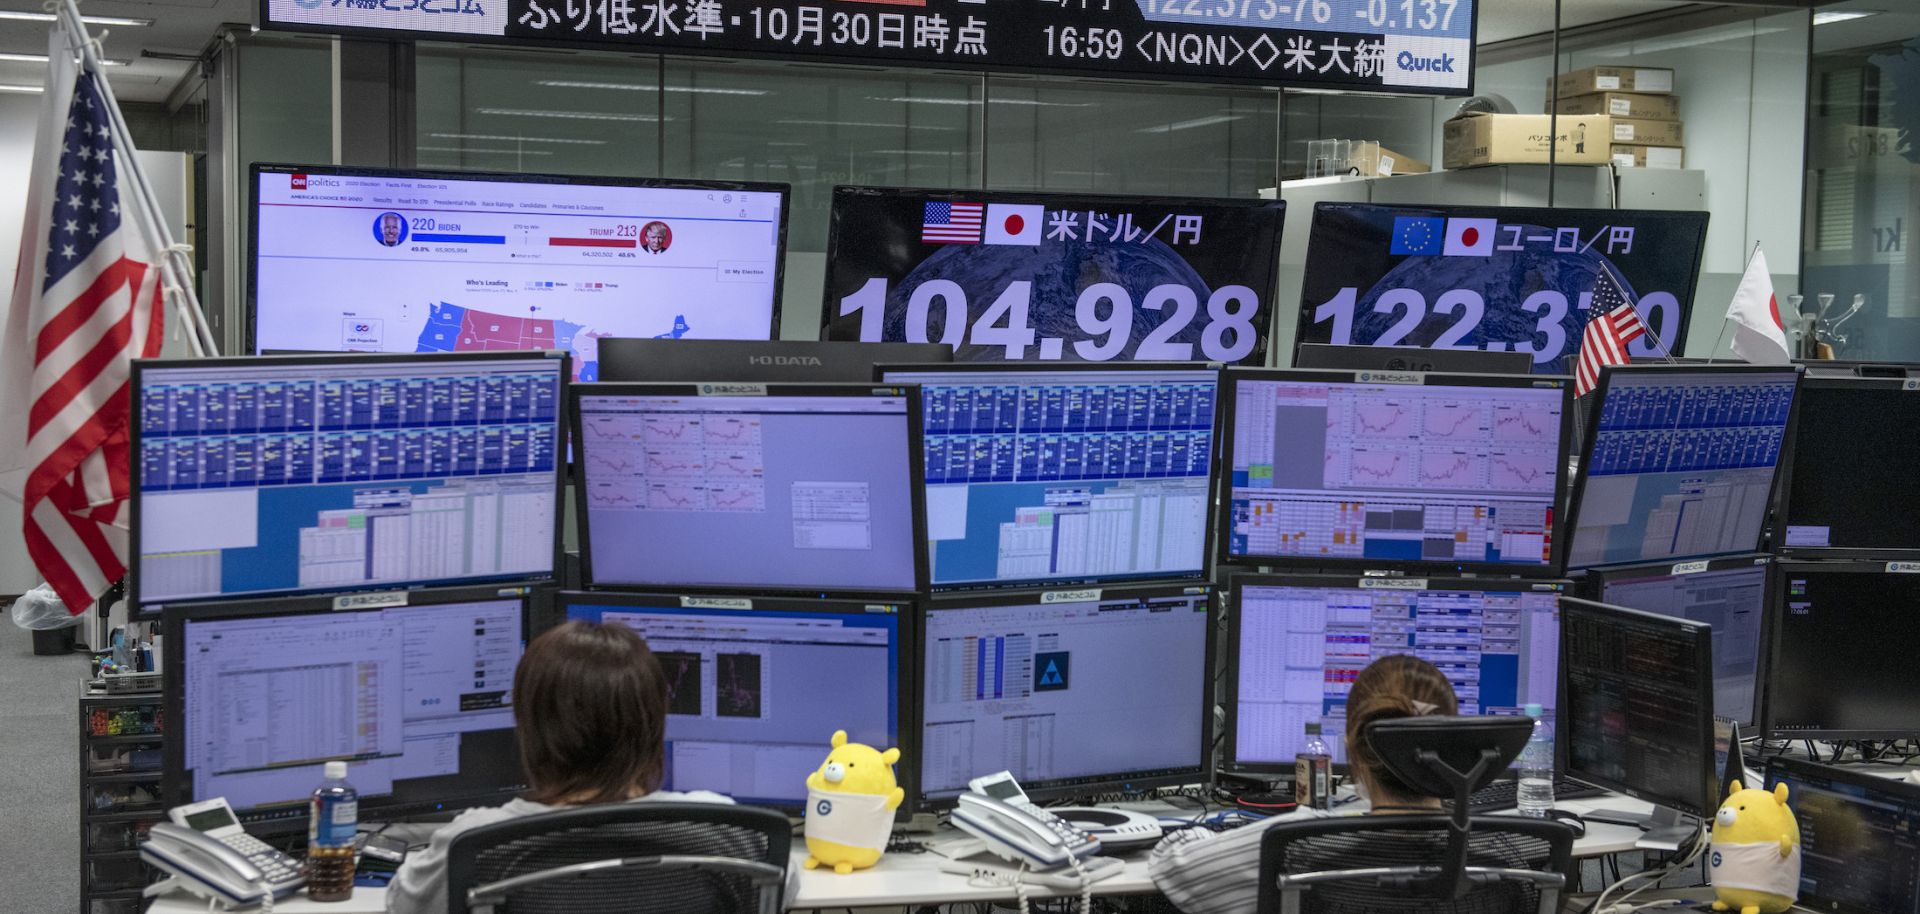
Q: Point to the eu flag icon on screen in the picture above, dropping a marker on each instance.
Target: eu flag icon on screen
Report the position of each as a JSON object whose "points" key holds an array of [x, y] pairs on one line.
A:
{"points": [[1418, 235]]}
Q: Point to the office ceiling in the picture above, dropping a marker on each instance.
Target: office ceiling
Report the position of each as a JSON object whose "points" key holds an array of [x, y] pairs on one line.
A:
{"points": [[185, 26]]}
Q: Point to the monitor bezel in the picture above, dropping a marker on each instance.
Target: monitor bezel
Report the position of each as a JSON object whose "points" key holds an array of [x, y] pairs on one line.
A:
{"points": [[1897, 789], [1205, 573], [139, 608], [1553, 568], [1599, 580], [1776, 644], [174, 774], [257, 169], [1319, 243], [915, 473], [1093, 785], [1264, 315], [905, 609], [1233, 595], [1783, 505], [1703, 806], [1591, 431]]}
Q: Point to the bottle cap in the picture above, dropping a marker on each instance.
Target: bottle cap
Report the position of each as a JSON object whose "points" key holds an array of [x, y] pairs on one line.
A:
{"points": [[1313, 728], [1534, 710], [336, 771]]}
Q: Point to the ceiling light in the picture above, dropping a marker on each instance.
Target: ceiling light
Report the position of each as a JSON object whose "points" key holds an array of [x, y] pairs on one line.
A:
{"points": [[1829, 17], [42, 58], [25, 16], [516, 139], [8, 87], [1207, 121], [1028, 102], [478, 150], [572, 115], [644, 87], [809, 122]]}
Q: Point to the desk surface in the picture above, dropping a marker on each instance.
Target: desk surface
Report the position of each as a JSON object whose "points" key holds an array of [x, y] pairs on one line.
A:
{"points": [[916, 879]]}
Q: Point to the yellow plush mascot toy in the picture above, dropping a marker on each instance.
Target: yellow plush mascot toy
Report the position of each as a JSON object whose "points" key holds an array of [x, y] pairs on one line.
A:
{"points": [[850, 804], [1756, 852]]}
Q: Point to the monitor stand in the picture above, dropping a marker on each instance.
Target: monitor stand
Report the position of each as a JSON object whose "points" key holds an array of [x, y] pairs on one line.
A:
{"points": [[1666, 829]]}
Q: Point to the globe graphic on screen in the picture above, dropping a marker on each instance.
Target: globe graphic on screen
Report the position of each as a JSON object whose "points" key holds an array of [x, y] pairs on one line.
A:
{"points": [[1504, 279], [1059, 270]]}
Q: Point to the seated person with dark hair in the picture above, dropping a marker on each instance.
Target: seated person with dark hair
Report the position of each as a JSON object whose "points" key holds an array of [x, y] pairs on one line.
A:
{"points": [[1202, 872], [590, 711]]}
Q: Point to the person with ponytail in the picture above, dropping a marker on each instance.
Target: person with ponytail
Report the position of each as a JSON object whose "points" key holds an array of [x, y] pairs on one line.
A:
{"points": [[1204, 872]]}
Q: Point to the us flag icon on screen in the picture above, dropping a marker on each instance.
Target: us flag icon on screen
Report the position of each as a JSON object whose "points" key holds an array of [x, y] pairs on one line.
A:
{"points": [[951, 223]]}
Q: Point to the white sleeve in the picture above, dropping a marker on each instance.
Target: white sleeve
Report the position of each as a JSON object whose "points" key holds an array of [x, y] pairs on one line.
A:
{"points": [[420, 885], [1203, 872]]}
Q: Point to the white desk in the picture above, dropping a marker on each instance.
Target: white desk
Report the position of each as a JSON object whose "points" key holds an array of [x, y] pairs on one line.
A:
{"points": [[902, 880]]}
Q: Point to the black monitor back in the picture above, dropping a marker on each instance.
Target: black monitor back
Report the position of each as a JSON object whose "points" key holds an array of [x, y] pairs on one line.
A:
{"points": [[766, 361]]}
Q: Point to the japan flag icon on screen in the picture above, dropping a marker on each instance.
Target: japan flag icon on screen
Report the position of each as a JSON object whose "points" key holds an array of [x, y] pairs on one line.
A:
{"points": [[1014, 223], [1470, 237]]}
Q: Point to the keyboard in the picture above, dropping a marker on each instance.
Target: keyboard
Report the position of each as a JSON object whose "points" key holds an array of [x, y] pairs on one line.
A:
{"points": [[1501, 795]]}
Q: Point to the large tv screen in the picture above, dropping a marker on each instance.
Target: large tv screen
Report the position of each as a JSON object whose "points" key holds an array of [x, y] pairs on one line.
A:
{"points": [[1497, 279], [1050, 277], [366, 260]]}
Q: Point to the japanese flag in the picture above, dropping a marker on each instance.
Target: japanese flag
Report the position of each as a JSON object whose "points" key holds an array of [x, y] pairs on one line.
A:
{"points": [[1014, 223], [1470, 237]]}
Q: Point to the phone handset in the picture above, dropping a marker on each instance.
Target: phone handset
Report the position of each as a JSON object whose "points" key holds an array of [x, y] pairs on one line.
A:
{"points": [[996, 811]]}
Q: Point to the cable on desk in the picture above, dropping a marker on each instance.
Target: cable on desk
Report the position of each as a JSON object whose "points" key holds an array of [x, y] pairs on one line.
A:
{"points": [[1621, 907]]}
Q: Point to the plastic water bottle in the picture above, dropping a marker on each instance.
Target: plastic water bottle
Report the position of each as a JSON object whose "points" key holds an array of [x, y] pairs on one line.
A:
{"points": [[333, 817], [1313, 772], [1534, 793]]}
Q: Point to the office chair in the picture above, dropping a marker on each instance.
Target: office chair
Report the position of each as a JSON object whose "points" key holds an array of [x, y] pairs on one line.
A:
{"points": [[1443, 863], [661, 858]]}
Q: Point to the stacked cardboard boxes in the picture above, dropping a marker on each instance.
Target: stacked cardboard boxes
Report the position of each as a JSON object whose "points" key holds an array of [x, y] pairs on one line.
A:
{"points": [[1625, 115], [1644, 114]]}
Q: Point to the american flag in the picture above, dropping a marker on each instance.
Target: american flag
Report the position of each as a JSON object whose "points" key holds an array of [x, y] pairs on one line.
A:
{"points": [[1604, 341], [98, 308], [953, 223]]}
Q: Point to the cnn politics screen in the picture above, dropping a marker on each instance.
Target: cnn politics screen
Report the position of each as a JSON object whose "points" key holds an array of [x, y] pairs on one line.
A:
{"points": [[1497, 279], [1053, 277], [358, 260]]}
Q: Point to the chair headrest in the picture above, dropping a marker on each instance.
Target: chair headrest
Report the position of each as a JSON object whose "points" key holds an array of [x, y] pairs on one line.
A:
{"points": [[1457, 741]]}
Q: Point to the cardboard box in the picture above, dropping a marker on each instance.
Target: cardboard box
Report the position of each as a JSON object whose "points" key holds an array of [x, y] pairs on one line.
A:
{"points": [[1627, 155], [1642, 132], [1624, 104], [1644, 80], [1375, 161], [1521, 139]]}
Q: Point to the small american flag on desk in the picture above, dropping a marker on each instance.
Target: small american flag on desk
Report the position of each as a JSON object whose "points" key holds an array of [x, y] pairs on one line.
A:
{"points": [[1604, 341], [952, 223]]}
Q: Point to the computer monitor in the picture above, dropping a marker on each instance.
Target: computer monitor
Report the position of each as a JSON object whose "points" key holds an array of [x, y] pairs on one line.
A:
{"points": [[1840, 658], [325, 473], [1858, 853], [1019, 276], [1678, 462], [757, 686], [1363, 470], [1729, 594], [1065, 474], [1297, 642], [1849, 492], [415, 695], [749, 360], [1410, 358], [1497, 278], [808, 488], [1075, 692], [391, 260], [1638, 713]]}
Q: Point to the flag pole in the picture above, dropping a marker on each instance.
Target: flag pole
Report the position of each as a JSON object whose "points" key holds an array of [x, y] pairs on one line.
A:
{"points": [[1728, 319], [175, 269]]}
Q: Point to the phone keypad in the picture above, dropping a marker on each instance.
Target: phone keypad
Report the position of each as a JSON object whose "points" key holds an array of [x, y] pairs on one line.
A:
{"points": [[276, 866]]}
